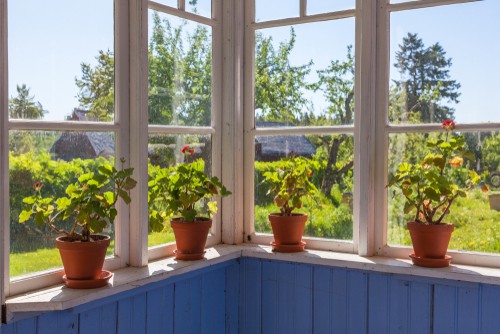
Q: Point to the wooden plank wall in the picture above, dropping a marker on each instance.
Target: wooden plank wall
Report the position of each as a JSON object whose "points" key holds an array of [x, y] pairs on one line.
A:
{"points": [[252, 296], [205, 301], [282, 297]]}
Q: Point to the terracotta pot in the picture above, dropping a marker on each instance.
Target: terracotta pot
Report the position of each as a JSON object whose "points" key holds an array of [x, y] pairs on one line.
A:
{"points": [[288, 232], [83, 260], [430, 241], [190, 237], [494, 202]]}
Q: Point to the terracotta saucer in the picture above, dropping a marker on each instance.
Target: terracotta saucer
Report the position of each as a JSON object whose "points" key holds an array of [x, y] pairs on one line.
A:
{"points": [[288, 248], [430, 262], [89, 283], [189, 256]]}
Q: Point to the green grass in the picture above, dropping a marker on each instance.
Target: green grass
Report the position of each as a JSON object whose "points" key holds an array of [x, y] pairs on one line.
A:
{"points": [[477, 228], [49, 258]]}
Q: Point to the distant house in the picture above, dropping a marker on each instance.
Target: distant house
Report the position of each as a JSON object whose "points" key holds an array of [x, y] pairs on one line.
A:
{"points": [[272, 148], [85, 145]]}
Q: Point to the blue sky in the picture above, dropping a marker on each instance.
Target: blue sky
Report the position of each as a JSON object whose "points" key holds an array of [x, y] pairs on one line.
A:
{"points": [[49, 40]]}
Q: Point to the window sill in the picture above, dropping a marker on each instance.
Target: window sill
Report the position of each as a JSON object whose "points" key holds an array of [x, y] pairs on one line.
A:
{"points": [[60, 298]]}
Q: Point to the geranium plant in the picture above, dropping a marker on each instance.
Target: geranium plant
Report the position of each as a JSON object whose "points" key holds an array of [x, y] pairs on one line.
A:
{"points": [[289, 183], [89, 203], [180, 189], [428, 187]]}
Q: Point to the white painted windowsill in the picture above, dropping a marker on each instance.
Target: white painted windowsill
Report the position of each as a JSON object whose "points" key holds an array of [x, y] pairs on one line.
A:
{"points": [[60, 298]]}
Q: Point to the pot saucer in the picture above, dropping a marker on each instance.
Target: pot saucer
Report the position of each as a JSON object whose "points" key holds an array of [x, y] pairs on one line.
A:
{"points": [[430, 262], [103, 279], [189, 256], [284, 248]]}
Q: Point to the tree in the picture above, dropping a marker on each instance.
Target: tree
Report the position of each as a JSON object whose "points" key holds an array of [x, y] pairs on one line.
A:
{"points": [[24, 106], [425, 78], [97, 87], [337, 84], [279, 85]]}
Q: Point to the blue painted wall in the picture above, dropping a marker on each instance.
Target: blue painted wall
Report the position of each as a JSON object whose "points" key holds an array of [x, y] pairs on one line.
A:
{"points": [[260, 296]]}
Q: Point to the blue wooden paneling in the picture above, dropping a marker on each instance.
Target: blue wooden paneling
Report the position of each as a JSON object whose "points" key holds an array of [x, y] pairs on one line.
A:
{"points": [[420, 308], [187, 310], [160, 310], [265, 296], [445, 309], [232, 298], [490, 306], [322, 296], [399, 304], [250, 291], [378, 303], [213, 302], [339, 301]]}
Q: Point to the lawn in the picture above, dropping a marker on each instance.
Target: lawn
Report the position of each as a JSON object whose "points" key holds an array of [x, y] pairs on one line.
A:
{"points": [[44, 259]]}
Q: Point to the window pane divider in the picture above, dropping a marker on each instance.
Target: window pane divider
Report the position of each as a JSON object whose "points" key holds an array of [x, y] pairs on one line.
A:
{"points": [[299, 130], [406, 128], [181, 130], [306, 19], [62, 125], [418, 4], [303, 8], [4, 155], [182, 14]]}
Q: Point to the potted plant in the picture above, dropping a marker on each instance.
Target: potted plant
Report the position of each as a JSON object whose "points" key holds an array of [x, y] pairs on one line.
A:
{"points": [[179, 193], [494, 196], [89, 206], [289, 183], [429, 191]]}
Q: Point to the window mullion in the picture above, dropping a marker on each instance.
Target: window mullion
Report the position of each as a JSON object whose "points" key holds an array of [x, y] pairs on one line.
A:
{"points": [[364, 134], [138, 130], [4, 155], [382, 93]]}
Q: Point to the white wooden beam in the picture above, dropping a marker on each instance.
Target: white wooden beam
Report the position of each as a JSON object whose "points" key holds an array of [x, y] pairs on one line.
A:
{"points": [[418, 4], [138, 12], [182, 14], [4, 155], [305, 19]]}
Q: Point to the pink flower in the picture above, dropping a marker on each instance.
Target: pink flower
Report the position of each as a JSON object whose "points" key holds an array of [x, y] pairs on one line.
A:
{"points": [[448, 125]]}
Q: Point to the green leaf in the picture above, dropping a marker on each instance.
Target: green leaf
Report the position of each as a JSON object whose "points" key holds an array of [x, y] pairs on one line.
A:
{"points": [[124, 195], [109, 196], [25, 215]]}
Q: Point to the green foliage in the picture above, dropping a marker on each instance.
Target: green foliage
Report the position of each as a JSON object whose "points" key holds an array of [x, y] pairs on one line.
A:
{"points": [[97, 87], [289, 182], [89, 202], [279, 85], [24, 106], [428, 187], [425, 80], [177, 190], [491, 152]]}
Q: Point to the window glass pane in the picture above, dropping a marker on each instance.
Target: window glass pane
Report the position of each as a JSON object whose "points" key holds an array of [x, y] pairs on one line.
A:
{"points": [[56, 160], [300, 79], [325, 6], [442, 68], [165, 151], [330, 214], [477, 216], [180, 71], [60, 61], [267, 10], [200, 7]]}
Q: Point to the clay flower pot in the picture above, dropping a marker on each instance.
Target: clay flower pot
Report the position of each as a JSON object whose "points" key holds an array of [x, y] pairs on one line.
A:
{"points": [[190, 238], [288, 232], [83, 261], [430, 243]]}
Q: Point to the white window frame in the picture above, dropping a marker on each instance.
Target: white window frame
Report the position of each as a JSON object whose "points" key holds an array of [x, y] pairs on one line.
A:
{"points": [[120, 128], [214, 130], [251, 131], [384, 129]]}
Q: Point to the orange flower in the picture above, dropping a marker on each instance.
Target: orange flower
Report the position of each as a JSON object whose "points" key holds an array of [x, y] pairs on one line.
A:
{"points": [[484, 188], [456, 161]]}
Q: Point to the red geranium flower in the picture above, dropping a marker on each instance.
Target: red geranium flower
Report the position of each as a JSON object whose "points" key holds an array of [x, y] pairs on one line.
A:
{"points": [[187, 150], [448, 125]]}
